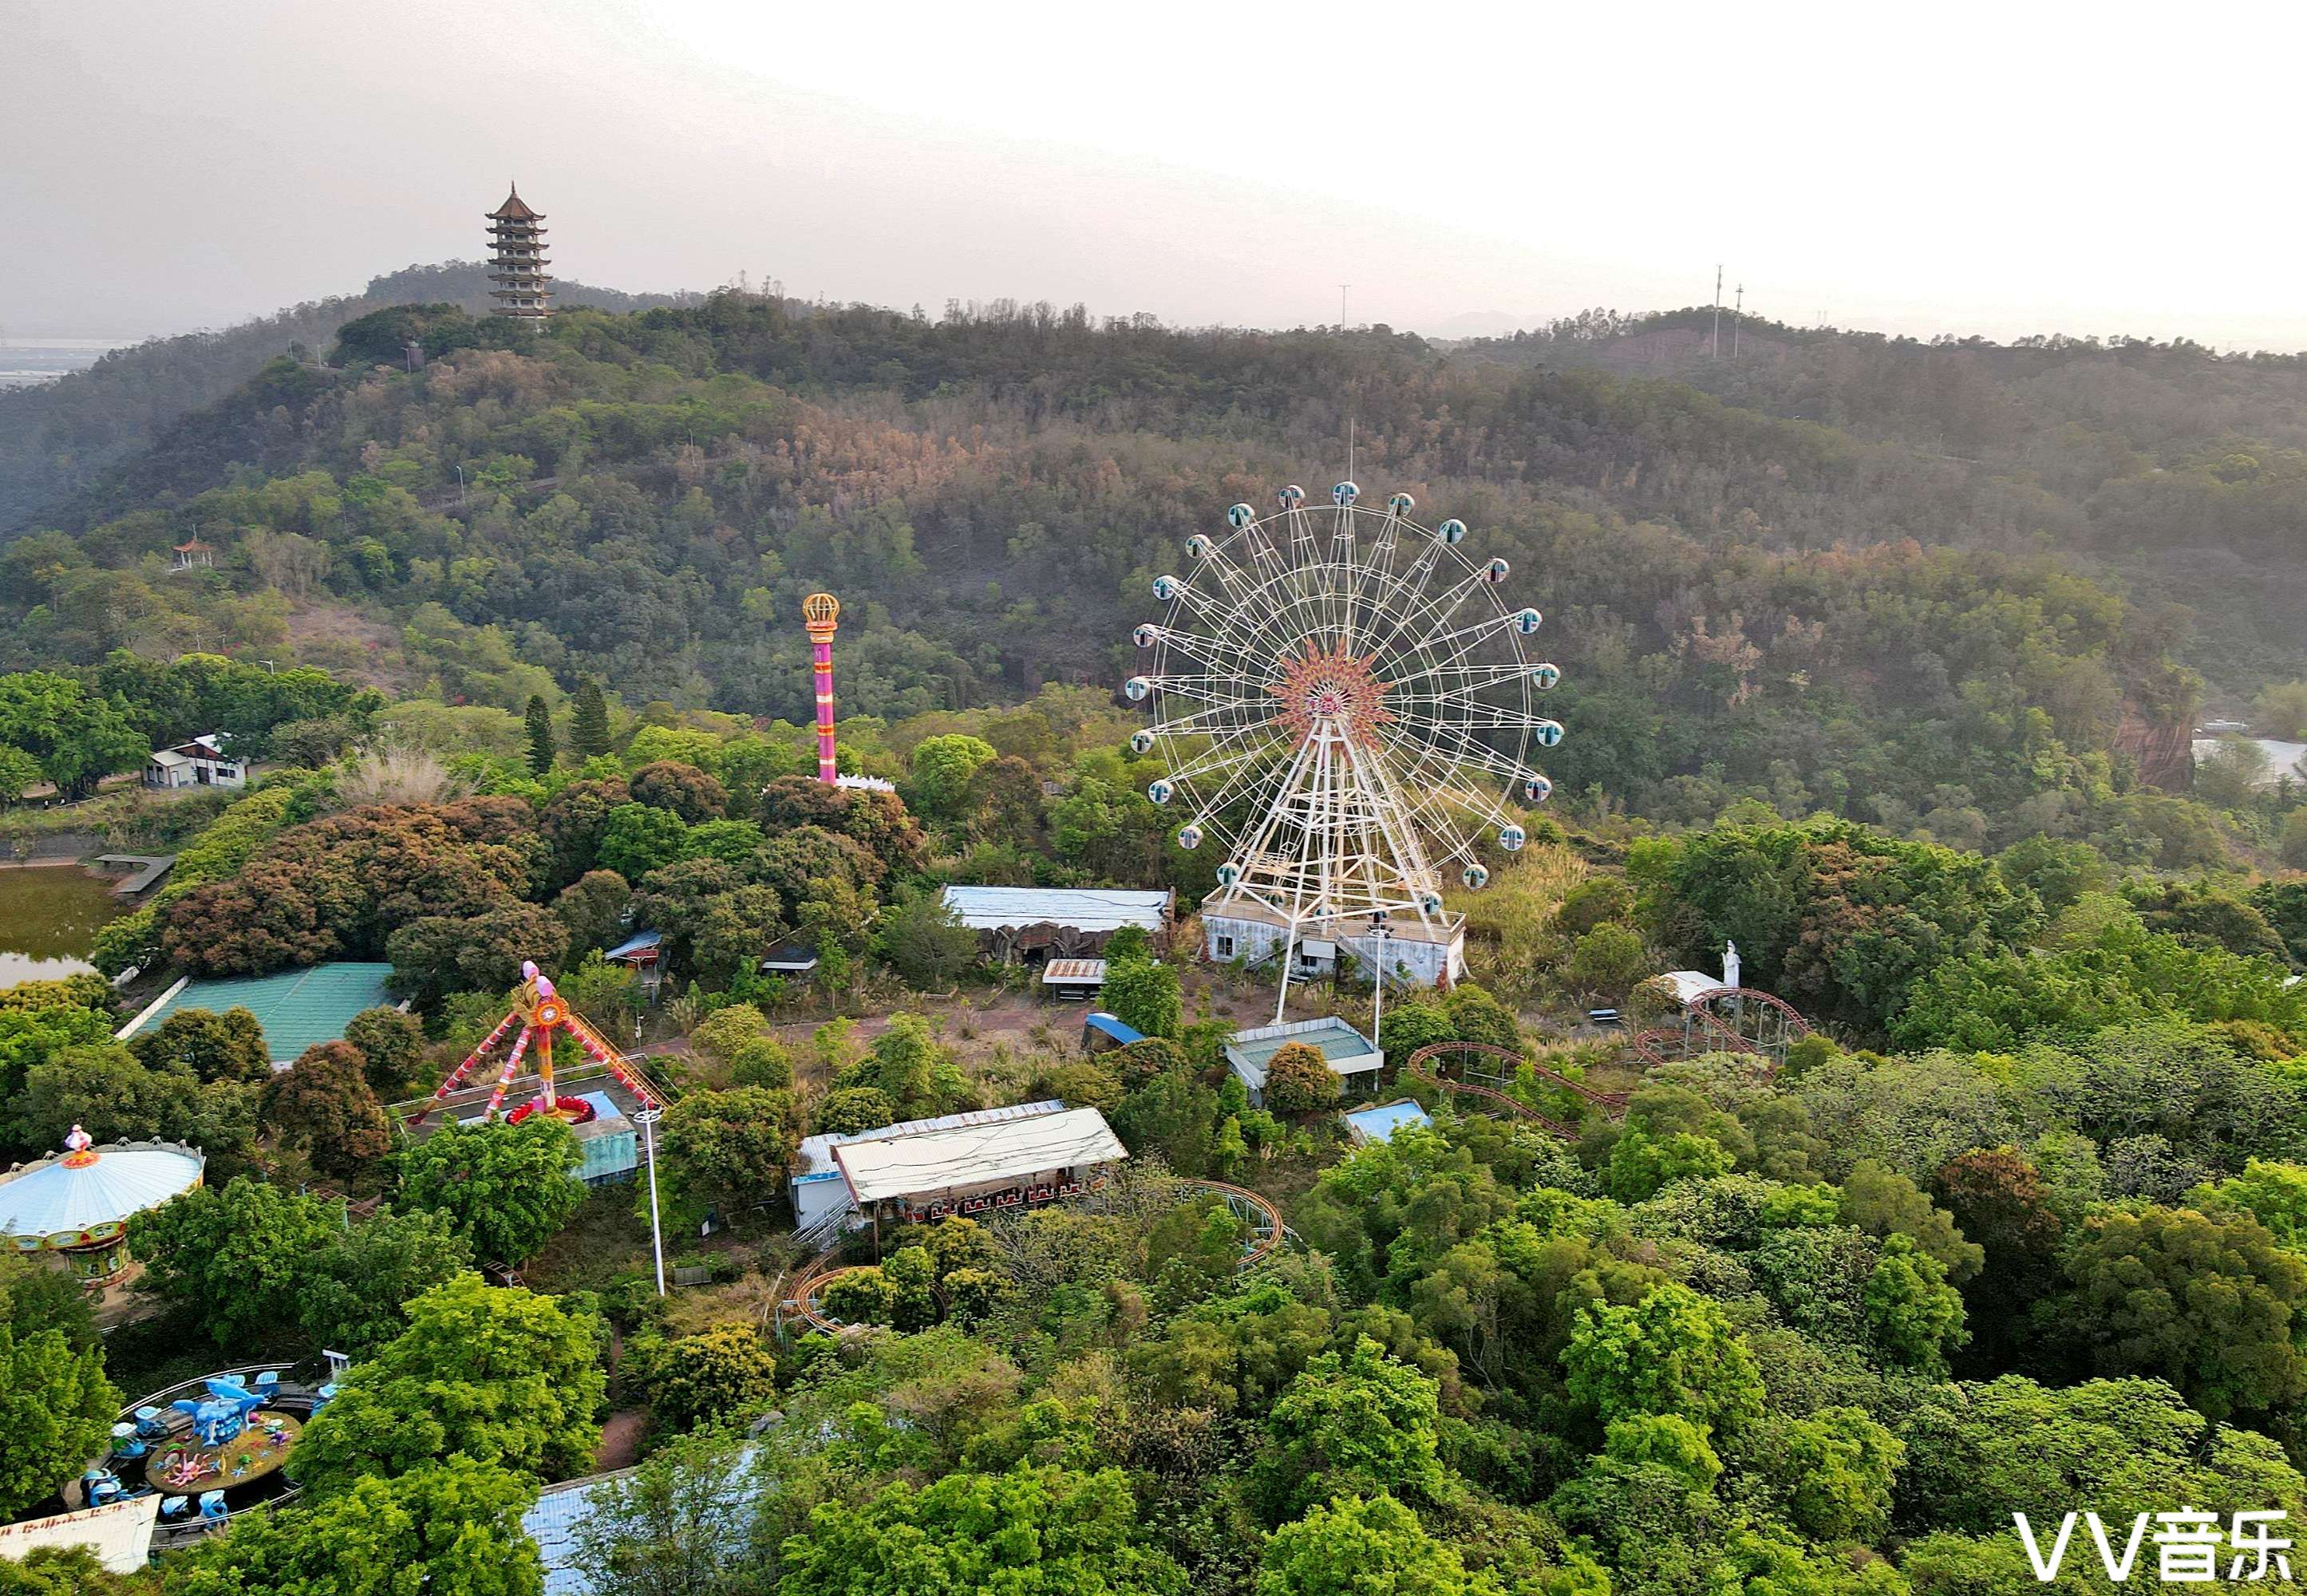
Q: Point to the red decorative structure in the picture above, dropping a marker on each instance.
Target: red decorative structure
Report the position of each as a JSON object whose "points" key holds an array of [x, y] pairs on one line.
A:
{"points": [[820, 613], [538, 1015]]}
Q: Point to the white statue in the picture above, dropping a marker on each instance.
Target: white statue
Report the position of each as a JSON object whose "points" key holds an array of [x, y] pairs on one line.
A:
{"points": [[1730, 963]]}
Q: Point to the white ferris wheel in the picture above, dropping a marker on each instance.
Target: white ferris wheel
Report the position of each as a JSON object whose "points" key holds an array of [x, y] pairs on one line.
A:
{"points": [[1344, 705]]}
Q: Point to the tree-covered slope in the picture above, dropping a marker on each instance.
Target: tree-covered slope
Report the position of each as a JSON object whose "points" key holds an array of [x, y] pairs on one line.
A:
{"points": [[1748, 607]]}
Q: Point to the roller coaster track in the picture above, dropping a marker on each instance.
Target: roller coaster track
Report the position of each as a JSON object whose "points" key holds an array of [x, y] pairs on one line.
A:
{"points": [[1667, 1044], [1420, 1066], [805, 1302]]}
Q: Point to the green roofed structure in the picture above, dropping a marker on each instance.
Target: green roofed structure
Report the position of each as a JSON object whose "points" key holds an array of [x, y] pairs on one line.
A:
{"points": [[298, 1009]]}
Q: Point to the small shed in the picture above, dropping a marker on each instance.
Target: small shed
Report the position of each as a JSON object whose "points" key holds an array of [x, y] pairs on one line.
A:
{"points": [[789, 958], [1015, 924], [641, 950], [1102, 1032], [1073, 980], [203, 762], [1353, 1057]]}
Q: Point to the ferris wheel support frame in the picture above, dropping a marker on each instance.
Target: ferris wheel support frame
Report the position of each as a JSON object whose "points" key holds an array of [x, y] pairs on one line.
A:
{"points": [[1332, 711]]}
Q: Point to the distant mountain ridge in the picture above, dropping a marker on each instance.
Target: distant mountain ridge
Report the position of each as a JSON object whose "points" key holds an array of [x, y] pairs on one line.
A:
{"points": [[57, 438]]}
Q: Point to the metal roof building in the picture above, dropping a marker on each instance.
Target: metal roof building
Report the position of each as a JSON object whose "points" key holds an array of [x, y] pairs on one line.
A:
{"points": [[297, 1008], [820, 1196], [1348, 1052], [930, 1165], [1054, 921]]}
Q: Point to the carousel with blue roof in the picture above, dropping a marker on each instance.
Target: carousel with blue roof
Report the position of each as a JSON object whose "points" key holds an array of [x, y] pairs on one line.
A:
{"points": [[76, 1206]]}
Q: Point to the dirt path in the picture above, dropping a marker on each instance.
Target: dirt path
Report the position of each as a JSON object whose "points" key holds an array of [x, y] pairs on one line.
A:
{"points": [[620, 1439]]}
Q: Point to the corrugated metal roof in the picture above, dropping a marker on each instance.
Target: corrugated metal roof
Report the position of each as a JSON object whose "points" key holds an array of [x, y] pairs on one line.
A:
{"points": [[1089, 909], [42, 1199], [648, 941], [977, 1154], [296, 1008], [1074, 971], [816, 1155]]}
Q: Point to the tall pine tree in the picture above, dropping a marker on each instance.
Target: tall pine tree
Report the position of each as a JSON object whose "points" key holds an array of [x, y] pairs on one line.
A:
{"points": [[589, 729], [540, 734]]}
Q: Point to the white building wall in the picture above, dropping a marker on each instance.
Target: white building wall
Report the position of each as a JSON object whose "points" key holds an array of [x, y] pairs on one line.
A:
{"points": [[1421, 963]]}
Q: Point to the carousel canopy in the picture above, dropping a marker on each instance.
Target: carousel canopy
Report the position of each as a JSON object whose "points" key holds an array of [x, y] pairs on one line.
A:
{"points": [[88, 1187]]}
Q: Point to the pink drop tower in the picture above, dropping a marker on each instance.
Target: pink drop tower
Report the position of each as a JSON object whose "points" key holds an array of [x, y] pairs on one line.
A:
{"points": [[820, 613]]}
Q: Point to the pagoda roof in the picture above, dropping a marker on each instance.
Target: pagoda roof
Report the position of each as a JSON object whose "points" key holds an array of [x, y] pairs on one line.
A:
{"points": [[514, 209]]}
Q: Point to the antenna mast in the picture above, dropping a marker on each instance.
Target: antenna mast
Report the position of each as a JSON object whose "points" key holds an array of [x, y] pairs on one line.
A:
{"points": [[1345, 323], [1716, 352], [1736, 313]]}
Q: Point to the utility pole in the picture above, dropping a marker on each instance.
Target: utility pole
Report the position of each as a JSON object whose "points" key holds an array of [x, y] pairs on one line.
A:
{"points": [[1737, 312], [648, 1117], [1716, 352]]}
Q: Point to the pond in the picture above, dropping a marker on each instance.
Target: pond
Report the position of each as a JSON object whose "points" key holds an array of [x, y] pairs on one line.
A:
{"points": [[47, 915]]}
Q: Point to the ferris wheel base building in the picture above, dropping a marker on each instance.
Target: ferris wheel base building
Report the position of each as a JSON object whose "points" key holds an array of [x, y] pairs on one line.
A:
{"points": [[1420, 955]]}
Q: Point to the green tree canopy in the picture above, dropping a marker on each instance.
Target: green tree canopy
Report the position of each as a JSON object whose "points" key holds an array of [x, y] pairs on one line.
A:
{"points": [[1299, 1080], [323, 1108], [1365, 1546], [726, 1371], [1674, 1352], [2207, 1301], [942, 768], [1353, 1424], [1033, 1531], [77, 736], [57, 1408], [500, 1374], [732, 1149], [447, 1529], [506, 1189], [238, 1256], [215, 1047]]}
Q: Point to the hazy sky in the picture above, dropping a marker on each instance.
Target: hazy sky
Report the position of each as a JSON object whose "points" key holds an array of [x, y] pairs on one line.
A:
{"points": [[2002, 168]]}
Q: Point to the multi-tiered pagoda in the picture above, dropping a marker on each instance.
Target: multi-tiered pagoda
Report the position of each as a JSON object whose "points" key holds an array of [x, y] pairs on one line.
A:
{"points": [[517, 263]]}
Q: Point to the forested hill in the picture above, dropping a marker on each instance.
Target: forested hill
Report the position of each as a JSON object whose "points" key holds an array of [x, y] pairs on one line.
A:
{"points": [[1752, 609], [2183, 469], [55, 439]]}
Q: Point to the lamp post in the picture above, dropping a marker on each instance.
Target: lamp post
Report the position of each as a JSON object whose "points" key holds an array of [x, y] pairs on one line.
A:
{"points": [[648, 1117], [1381, 932]]}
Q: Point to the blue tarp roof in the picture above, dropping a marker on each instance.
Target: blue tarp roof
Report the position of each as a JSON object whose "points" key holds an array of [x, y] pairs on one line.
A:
{"points": [[1380, 1121], [1112, 1027]]}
